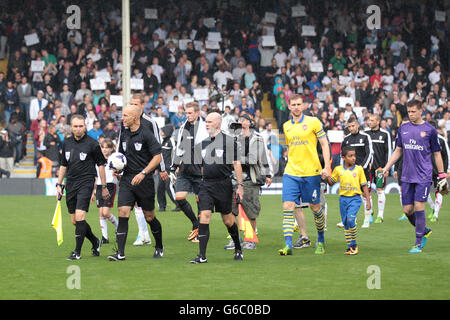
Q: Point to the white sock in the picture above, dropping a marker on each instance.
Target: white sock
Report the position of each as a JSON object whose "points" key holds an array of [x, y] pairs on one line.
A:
{"points": [[325, 211], [381, 202], [366, 213], [104, 227], [114, 221], [438, 204], [140, 219], [430, 201], [400, 193]]}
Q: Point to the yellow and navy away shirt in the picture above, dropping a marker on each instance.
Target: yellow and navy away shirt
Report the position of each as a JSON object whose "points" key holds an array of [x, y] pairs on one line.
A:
{"points": [[302, 138], [351, 180]]}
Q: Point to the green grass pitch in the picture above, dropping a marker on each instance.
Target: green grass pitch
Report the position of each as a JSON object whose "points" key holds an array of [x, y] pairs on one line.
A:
{"points": [[34, 267]]}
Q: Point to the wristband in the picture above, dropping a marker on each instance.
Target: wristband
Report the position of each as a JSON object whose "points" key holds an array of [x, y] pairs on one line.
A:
{"points": [[442, 175]]}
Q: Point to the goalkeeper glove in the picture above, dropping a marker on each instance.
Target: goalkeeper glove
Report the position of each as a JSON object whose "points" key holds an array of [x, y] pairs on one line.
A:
{"points": [[442, 185]]}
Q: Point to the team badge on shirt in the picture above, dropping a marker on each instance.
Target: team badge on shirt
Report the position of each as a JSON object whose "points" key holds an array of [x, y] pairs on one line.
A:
{"points": [[423, 134], [138, 146], [67, 155], [83, 156], [354, 175], [305, 127], [124, 146]]}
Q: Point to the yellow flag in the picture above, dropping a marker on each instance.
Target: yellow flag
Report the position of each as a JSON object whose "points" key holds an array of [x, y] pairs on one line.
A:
{"points": [[57, 223], [246, 226]]}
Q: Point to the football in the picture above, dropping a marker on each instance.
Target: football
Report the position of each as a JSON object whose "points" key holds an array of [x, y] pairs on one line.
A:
{"points": [[117, 161]]}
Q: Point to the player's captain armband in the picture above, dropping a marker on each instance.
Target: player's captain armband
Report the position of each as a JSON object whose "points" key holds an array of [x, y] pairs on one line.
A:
{"points": [[320, 134]]}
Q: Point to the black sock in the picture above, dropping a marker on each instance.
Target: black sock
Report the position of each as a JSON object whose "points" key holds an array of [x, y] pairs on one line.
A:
{"points": [[90, 235], [234, 233], [80, 233], [189, 213], [155, 227], [121, 236], [203, 237]]}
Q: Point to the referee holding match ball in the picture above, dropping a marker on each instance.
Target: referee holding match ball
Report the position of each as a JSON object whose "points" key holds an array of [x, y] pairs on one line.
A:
{"points": [[143, 153]]}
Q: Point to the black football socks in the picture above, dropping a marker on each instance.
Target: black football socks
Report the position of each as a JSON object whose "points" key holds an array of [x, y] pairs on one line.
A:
{"points": [[155, 227], [121, 236], [203, 237]]}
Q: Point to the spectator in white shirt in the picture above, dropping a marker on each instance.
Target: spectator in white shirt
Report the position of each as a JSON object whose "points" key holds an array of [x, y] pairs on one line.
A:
{"points": [[37, 104], [222, 76], [435, 76], [432, 106], [344, 78], [162, 31], [360, 77], [94, 54], [308, 52], [157, 69], [281, 57], [387, 80]]}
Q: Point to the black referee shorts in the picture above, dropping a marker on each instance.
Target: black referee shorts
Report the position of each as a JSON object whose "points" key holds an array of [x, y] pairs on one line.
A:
{"points": [[109, 203], [216, 194], [78, 195], [143, 194]]}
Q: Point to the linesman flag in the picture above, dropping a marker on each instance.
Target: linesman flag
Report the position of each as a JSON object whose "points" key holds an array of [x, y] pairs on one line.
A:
{"points": [[245, 225], [57, 222]]}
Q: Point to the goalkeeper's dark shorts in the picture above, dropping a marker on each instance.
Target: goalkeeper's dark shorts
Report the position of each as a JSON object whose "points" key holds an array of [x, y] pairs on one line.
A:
{"points": [[78, 195]]}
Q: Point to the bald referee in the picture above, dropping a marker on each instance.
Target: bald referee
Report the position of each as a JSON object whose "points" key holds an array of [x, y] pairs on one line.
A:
{"points": [[137, 99], [143, 153], [80, 154], [219, 156]]}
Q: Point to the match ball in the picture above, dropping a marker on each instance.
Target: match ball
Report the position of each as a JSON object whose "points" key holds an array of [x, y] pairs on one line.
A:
{"points": [[117, 161]]}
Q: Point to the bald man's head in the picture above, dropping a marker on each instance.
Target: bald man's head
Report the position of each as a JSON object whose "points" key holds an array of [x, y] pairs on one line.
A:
{"points": [[130, 115], [213, 123]]}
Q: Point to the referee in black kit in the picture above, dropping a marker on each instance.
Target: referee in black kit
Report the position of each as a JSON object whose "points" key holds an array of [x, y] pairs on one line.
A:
{"points": [[219, 157], [143, 153], [80, 154]]}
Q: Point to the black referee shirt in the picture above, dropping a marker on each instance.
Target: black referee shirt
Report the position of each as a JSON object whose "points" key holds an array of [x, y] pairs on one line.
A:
{"points": [[218, 155], [139, 147], [151, 124], [80, 158]]}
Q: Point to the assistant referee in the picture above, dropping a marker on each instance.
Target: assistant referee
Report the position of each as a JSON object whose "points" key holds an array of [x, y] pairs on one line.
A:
{"points": [[219, 156], [143, 153], [80, 154]]}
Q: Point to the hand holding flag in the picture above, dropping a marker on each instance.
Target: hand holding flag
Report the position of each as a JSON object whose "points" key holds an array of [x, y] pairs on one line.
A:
{"points": [[57, 219]]}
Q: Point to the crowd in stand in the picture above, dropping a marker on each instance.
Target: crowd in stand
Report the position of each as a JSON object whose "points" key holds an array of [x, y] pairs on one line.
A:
{"points": [[364, 71]]}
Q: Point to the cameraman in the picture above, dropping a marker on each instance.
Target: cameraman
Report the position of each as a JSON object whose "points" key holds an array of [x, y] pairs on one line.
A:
{"points": [[6, 154], [256, 171]]}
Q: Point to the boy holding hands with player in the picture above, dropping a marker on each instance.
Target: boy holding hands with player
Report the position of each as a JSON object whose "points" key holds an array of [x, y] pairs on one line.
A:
{"points": [[353, 183]]}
